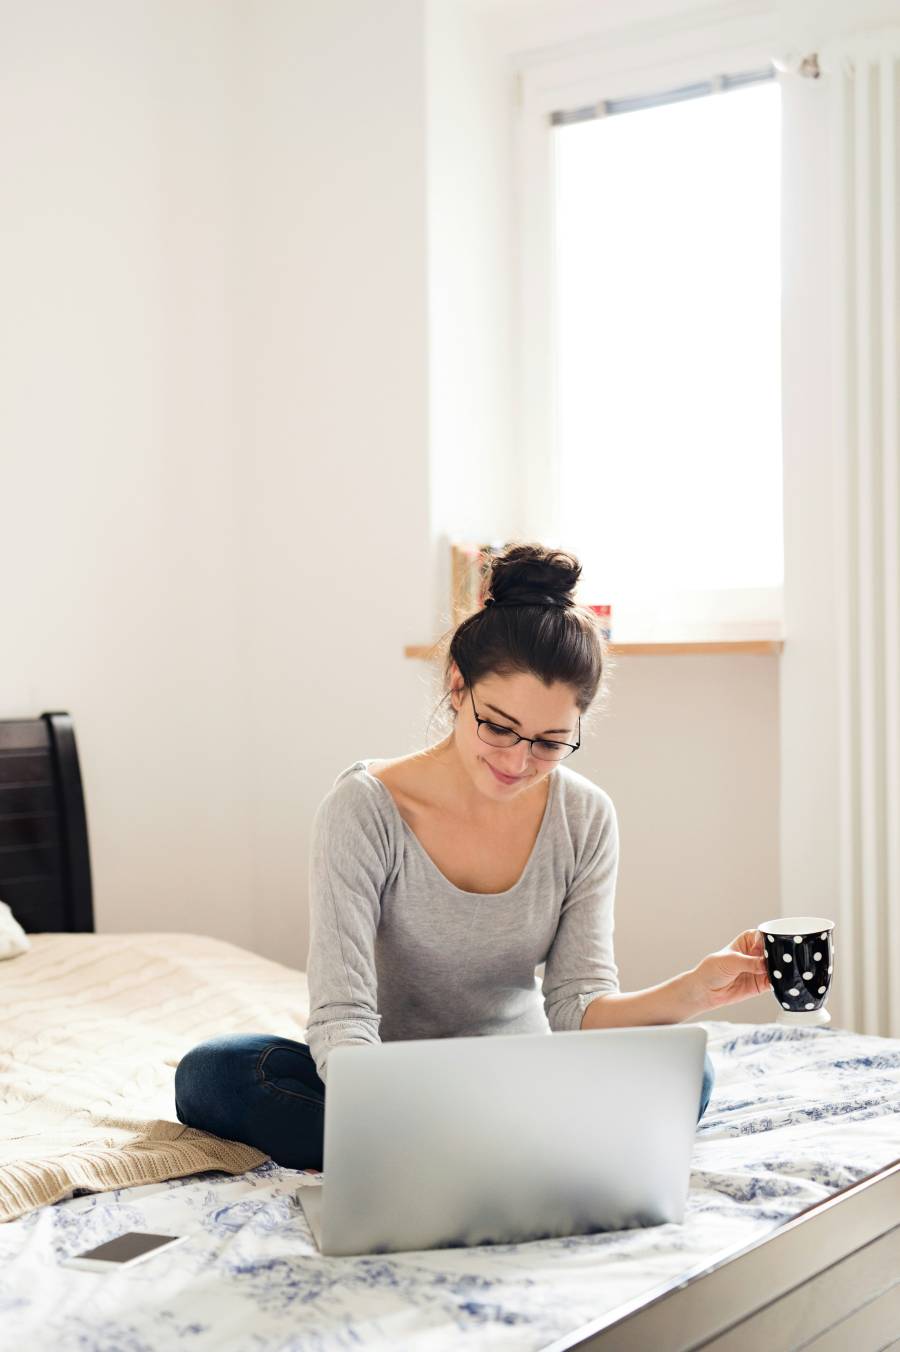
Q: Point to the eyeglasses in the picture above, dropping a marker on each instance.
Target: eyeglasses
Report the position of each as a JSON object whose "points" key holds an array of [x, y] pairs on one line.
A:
{"points": [[541, 748]]}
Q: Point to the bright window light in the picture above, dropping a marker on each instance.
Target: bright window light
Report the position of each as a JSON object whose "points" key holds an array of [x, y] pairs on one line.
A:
{"points": [[668, 346]]}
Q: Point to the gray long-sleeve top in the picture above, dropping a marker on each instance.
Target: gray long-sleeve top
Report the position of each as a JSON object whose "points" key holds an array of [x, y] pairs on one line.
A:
{"points": [[397, 951]]}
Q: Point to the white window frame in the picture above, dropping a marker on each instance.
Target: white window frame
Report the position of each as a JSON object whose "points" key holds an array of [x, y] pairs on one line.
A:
{"points": [[635, 61]]}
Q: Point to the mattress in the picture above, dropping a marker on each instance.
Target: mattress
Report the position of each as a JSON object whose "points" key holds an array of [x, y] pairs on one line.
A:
{"points": [[796, 1114]]}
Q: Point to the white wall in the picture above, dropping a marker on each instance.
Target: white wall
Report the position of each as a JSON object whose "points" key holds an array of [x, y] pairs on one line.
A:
{"points": [[475, 489], [121, 548], [214, 429], [337, 445], [688, 749], [258, 262]]}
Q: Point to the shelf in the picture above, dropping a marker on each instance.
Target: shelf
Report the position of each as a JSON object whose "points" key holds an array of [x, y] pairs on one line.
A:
{"points": [[688, 647], [691, 646]]}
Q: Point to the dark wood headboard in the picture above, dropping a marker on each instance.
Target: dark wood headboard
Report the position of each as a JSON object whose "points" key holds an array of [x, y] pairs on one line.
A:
{"points": [[45, 867]]}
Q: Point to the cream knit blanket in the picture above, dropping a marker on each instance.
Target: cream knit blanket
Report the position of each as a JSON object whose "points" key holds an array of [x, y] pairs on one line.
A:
{"points": [[92, 1027]]}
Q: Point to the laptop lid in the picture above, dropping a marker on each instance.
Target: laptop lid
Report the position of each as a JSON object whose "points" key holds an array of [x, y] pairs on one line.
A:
{"points": [[454, 1142]]}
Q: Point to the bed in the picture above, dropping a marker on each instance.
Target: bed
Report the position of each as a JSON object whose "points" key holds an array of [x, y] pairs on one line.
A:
{"points": [[791, 1235], [790, 1240]]}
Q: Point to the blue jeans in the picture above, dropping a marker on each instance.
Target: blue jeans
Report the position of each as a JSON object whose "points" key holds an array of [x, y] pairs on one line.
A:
{"points": [[265, 1091]]}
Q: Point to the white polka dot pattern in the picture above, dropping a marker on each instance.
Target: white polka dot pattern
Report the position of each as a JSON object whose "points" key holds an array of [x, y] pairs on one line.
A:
{"points": [[804, 986]]}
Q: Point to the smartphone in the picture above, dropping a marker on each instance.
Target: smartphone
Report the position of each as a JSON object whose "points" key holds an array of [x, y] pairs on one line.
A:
{"points": [[123, 1251]]}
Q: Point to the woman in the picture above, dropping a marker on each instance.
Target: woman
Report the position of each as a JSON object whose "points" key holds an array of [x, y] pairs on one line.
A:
{"points": [[439, 881]]}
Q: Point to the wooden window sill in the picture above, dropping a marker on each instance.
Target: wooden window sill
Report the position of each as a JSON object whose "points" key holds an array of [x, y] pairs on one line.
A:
{"points": [[688, 646]]}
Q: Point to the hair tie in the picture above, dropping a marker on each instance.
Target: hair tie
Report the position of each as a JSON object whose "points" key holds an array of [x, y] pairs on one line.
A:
{"points": [[536, 600]]}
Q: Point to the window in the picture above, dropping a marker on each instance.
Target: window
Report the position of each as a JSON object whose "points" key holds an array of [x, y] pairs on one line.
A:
{"points": [[667, 294]]}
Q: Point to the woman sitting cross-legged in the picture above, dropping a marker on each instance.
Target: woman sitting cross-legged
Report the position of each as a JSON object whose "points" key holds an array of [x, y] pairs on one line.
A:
{"points": [[440, 880]]}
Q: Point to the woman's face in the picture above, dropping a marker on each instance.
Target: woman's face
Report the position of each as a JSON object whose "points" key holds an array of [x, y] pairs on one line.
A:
{"points": [[521, 702]]}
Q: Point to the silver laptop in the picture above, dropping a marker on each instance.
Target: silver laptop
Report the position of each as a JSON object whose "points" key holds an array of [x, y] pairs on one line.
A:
{"points": [[455, 1142]]}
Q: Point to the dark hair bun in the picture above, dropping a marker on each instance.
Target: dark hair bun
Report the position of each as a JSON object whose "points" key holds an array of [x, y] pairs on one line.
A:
{"points": [[526, 572]]}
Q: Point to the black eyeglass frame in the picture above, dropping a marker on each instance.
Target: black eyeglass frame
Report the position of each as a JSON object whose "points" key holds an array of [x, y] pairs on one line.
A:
{"points": [[520, 738]]}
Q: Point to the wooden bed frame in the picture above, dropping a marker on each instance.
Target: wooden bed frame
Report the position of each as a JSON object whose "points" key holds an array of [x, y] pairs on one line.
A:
{"points": [[45, 863], [828, 1280]]}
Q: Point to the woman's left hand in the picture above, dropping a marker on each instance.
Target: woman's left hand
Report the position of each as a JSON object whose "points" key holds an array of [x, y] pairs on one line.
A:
{"points": [[733, 973]]}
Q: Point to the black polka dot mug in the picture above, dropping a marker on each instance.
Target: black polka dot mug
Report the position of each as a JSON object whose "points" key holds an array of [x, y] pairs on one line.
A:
{"points": [[799, 952]]}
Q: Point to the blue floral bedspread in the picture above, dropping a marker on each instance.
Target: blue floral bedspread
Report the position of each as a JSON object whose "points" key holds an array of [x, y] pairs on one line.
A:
{"points": [[796, 1114]]}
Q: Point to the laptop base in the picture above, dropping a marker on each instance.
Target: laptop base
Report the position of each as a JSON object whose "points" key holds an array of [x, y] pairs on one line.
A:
{"points": [[310, 1198]]}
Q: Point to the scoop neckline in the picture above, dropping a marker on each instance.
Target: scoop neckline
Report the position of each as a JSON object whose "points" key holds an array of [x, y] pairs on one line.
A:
{"points": [[548, 808]]}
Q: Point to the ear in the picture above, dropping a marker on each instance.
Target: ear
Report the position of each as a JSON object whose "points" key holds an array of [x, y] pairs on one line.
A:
{"points": [[457, 686]]}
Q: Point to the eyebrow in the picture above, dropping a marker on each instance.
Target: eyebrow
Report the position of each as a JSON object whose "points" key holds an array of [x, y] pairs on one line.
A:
{"points": [[518, 724]]}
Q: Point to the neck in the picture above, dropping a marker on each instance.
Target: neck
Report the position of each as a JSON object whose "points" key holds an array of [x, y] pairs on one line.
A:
{"points": [[461, 796]]}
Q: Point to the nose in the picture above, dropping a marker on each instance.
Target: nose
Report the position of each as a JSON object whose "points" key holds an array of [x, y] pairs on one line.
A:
{"points": [[515, 762]]}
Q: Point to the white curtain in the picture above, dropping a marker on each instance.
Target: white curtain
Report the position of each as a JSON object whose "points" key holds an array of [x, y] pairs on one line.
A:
{"points": [[865, 104], [840, 707]]}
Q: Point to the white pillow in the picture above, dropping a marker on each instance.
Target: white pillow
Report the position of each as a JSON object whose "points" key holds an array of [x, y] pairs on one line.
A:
{"points": [[13, 939]]}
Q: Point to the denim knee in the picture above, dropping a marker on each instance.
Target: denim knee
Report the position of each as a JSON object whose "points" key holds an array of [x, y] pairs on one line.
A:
{"points": [[191, 1075], [207, 1077], [709, 1079]]}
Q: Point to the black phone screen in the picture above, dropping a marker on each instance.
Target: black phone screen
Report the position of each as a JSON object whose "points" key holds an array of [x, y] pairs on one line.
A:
{"points": [[127, 1246]]}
